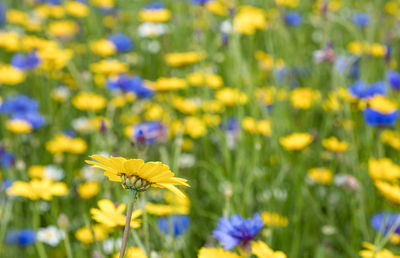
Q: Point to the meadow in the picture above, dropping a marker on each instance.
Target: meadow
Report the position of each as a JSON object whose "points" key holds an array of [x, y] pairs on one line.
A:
{"points": [[199, 128]]}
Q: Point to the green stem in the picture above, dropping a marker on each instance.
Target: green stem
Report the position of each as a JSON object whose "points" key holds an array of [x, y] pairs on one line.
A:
{"points": [[67, 245], [36, 224], [132, 200]]}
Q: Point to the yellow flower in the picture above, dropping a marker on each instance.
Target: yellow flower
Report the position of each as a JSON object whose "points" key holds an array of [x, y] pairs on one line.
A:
{"points": [[85, 234], [89, 101], [296, 141], [390, 191], [377, 50], [53, 58], [10, 41], [184, 105], [36, 171], [217, 7], [62, 143], [249, 125], [303, 98], [133, 252], [176, 205], [262, 250], [320, 175], [109, 67], [18, 126], [168, 84], [194, 127], [356, 47], [216, 253], [38, 189], [382, 104], [76, 9], [274, 219], [214, 81], [105, 4], [288, 3], [264, 127], [63, 28], [183, 59], [88, 190], [102, 47], [137, 174], [10, 75], [195, 79], [154, 112], [230, 97], [383, 169], [155, 16], [249, 19], [333, 144], [111, 216], [17, 17], [391, 138], [371, 251]]}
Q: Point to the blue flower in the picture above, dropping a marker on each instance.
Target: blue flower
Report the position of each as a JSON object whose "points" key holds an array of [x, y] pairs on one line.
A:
{"points": [[375, 118], [121, 42], [149, 132], [384, 222], [130, 84], [19, 105], [393, 78], [361, 19], [231, 125], [360, 90], [2, 14], [22, 237], [175, 224], [293, 19], [200, 2], [25, 62], [155, 6], [237, 231]]}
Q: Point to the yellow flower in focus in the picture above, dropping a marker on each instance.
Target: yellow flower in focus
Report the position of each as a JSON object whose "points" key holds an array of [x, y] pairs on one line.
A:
{"points": [[391, 138], [296, 141], [383, 169], [230, 97], [85, 235], [249, 19], [168, 84], [88, 190], [10, 75], [76, 9], [262, 250], [18, 126], [206, 252], [62, 143], [111, 216], [89, 101], [390, 191], [371, 251], [274, 219], [320, 175], [102, 48], [183, 59], [137, 174], [133, 252], [303, 98], [194, 127], [38, 189], [63, 28], [333, 144]]}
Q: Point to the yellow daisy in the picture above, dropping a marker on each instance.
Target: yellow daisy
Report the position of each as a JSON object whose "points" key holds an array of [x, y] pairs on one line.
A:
{"points": [[137, 174]]}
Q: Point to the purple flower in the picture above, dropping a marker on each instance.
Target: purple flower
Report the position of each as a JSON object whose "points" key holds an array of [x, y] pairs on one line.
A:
{"points": [[361, 19], [360, 90], [22, 237], [121, 42], [175, 224], [384, 222], [393, 78], [375, 118], [237, 231]]}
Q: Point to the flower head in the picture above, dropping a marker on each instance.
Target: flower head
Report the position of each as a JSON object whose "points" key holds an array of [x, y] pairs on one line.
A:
{"points": [[38, 189], [237, 231], [137, 174], [296, 141], [216, 252]]}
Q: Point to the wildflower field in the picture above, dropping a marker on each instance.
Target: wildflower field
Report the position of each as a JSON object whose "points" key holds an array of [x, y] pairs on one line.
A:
{"points": [[199, 128]]}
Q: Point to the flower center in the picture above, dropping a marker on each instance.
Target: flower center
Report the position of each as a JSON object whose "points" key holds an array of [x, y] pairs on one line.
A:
{"points": [[134, 182]]}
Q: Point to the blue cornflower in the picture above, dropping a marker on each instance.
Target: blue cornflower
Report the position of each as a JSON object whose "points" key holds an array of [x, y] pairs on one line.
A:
{"points": [[149, 132], [133, 84], [22, 237], [2, 14], [19, 105], [361, 19], [25, 62], [384, 222], [155, 5], [200, 2], [393, 78], [237, 231], [121, 42], [231, 126], [293, 19], [375, 118], [175, 224], [360, 90]]}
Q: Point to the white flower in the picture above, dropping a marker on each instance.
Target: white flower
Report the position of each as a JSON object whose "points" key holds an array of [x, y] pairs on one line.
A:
{"points": [[186, 160], [81, 124], [53, 173], [50, 235], [61, 93], [149, 29], [108, 245], [226, 27], [90, 174]]}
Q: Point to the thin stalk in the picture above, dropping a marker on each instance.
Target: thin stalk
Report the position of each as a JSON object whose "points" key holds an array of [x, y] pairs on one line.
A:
{"points": [[132, 200]]}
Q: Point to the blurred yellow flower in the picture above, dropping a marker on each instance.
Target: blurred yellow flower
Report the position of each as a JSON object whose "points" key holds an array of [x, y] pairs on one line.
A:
{"points": [[206, 252], [85, 234], [383, 169], [296, 141], [249, 19], [169, 84], [102, 47], [88, 190], [194, 127], [176, 205], [320, 175], [154, 15], [62, 143], [109, 67], [262, 250], [63, 28], [76, 9], [371, 251], [88, 101], [10, 75], [18, 126], [10, 41], [183, 59], [382, 104], [304, 98], [38, 189], [230, 96], [333, 144], [391, 138], [133, 252], [274, 219], [390, 191]]}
